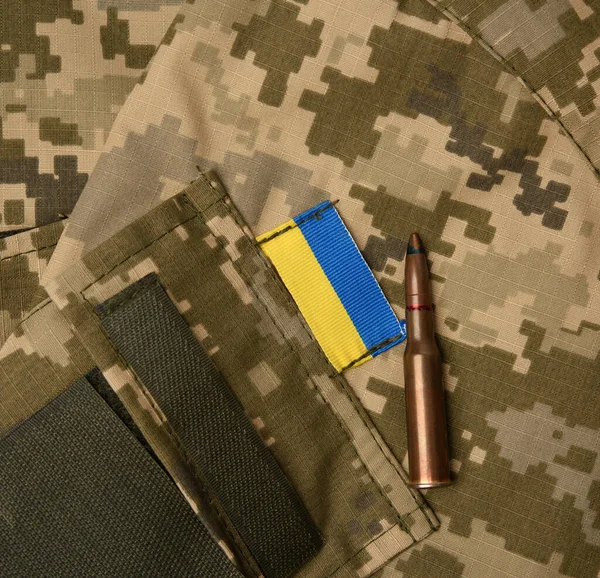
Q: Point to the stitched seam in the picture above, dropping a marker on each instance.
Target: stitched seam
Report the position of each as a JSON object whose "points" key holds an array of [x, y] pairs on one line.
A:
{"points": [[109, 271], [416, 495], [423, 507], [27, 252], [364, 549], [419, 507], [333, 572], [372, 350], [335, 375], [292, 347], [37, 308], [471, 32], [217, 508], [132, 292], [180, 196], [198, 214], [316, 216], [344, 386], [282, 290]]}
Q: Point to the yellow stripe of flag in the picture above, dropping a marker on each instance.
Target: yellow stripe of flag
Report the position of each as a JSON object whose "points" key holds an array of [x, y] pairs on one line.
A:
{"points": [[315, 296]]}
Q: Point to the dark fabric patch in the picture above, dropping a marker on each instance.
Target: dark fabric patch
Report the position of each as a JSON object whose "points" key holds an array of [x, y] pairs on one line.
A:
{"points": [[18, 285], [229, 455], [438, 78], [540, 200], [19, 30], [4, 234], [59, 133], [467, 140], [420, 10], [170, 33], [55, 193], [14, 212], [378, 250], [429, 562], [43, 237], [280, 43], [578, 458], [15, 107], [398, 218], [80, 497], [114, 37]]}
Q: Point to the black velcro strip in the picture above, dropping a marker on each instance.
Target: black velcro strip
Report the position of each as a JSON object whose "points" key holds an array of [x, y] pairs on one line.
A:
{"points": [[79, 496], [232, 460]]}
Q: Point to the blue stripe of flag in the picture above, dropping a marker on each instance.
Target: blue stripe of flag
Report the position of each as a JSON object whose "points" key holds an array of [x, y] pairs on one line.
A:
{"points": [[350, 276]]}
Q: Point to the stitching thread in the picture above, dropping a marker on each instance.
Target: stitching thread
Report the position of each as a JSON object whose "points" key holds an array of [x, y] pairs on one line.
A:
{"points": [[109, 271], [170, 432], [372, 350], [555, 115], [199, 214], [316, 215], [336, 376], [362, 550], [27, 252]]}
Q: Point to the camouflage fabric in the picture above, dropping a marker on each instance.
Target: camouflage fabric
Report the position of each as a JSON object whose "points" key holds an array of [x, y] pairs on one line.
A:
{"points": [[65, 70], [554, 47], [212, 269], [471, 123], [23, 260]]}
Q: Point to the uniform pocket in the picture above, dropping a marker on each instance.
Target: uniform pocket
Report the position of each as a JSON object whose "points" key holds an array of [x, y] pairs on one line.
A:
{"points": [[80, 496]]}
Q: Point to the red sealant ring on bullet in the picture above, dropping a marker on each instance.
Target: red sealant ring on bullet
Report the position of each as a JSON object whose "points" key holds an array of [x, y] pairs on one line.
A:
{"points": [[418, 307]]}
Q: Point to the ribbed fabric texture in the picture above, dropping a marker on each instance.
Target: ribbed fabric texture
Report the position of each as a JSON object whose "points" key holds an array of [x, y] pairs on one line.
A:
{"points": [[97, 380], [332, 285], [79, 496], [235, 465], [351, 278]]}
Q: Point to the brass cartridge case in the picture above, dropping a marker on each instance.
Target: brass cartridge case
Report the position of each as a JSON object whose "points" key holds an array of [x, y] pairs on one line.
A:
{"points": [[424, 391]]}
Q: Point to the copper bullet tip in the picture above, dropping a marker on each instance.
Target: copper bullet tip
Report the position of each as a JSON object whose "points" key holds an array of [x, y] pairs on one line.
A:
{"points": [[414, 245]]}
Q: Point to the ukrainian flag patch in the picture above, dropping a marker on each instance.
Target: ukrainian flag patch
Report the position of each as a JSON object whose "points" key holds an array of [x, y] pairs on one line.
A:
{"points": [[332, 285]]}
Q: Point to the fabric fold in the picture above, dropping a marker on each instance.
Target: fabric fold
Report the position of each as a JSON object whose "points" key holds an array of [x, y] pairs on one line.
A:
{"points": [[214, 272], [396, 111], [67, 67], [235, 467], [553, 48], [80, 495], [23, 260]]}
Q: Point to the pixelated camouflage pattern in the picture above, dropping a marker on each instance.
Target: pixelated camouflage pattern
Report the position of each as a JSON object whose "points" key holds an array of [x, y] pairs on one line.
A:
{"points": [[464, 121], [23, 259], [413, 124], [553, 46], [65, 70], [211, 267]]}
